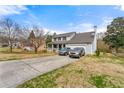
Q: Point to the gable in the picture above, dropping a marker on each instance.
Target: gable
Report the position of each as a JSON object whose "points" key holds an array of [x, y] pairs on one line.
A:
{"points": [[82, 38]]}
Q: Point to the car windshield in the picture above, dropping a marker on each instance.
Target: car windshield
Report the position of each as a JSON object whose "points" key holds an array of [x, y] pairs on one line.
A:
{"points": [[63, 49], [77, 49]]}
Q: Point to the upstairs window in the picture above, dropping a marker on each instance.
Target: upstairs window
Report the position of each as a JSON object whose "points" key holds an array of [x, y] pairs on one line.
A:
{"points": [[59, 38], [64, 38], [92, 34], [54, 39]]}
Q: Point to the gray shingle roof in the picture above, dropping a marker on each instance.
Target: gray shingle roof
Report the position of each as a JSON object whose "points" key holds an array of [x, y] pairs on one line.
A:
{"points": [[65, 34], [59, 42], [82, 38], [79, 38]]}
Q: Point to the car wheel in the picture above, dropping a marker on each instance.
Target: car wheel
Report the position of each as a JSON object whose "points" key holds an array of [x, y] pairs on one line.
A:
{"points": [[84, 54], [66, 54], [70, 56], [79, 56]]}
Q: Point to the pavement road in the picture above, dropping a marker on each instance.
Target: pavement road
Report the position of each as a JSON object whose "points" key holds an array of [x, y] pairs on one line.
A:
{"points": [[13, 73]]}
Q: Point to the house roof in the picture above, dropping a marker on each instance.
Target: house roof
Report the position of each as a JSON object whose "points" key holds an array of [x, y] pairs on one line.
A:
{"points": [[79, 38], [59, 42], [82, 38], [64, 34]]}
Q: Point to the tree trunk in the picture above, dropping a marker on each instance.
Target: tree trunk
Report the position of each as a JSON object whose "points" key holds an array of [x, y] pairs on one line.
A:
{"points": [[110, 49], [10, 48], [35, 50], [116, 49]]}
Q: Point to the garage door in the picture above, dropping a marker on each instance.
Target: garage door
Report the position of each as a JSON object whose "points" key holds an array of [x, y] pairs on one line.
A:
{"points": [[86, 47]]}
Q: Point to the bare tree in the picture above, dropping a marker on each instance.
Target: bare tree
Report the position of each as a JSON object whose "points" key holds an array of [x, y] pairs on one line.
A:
{"points": [[10, 28], [36, 37], [3, 39], [23, 34]]}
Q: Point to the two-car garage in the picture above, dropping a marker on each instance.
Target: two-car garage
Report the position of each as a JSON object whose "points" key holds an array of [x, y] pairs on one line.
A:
{"points": [[87, 47]]}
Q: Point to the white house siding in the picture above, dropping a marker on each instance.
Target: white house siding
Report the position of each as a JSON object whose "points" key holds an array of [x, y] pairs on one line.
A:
{"points": [[87, 47], [94, 44]]}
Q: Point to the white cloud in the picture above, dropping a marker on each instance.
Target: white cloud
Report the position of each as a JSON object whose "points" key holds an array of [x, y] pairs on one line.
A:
{"points": [[82, 27], [103, 26], [51, 31], [87, 27], [32, 20], [120, 7], [9, 10]]}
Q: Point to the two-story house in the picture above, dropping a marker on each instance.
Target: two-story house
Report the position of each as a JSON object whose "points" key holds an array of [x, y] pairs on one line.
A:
{"points": [[87, 40]]}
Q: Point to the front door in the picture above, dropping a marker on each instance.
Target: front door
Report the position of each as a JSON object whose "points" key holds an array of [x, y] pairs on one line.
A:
{"points": [[60, 46], [63, 45]]}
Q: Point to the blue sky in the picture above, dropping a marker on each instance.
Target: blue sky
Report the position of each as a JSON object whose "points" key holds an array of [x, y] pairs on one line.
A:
{"points": [[56, 18]]}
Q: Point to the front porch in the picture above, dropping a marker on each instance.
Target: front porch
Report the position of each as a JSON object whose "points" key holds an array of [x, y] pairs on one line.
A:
{"points": [[55, 47]]}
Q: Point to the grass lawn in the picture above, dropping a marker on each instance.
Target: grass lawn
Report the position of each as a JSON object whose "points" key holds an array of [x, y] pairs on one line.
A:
{"points": [[90, 71], [20, 54]]}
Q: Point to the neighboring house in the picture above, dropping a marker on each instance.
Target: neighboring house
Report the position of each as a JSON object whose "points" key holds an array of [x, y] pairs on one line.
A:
{"points": [[86, 40], [26, 45], [4, 44]]}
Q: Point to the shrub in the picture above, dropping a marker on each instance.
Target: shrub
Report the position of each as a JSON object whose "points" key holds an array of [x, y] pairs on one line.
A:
{"points": [[104, 52], [54, 51], [97, 52], [44, 51], [4, 45], [102, 46]]}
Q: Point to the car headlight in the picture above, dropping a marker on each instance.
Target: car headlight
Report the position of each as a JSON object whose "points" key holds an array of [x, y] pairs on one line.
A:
{"points": [[76, 53]]}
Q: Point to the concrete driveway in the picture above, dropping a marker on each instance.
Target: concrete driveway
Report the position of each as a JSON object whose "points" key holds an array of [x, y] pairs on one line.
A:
{"points": [[13, 73]]}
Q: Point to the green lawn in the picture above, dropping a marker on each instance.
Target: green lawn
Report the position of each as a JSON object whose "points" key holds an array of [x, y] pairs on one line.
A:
{"points": [[20, 54], [90, 71]]}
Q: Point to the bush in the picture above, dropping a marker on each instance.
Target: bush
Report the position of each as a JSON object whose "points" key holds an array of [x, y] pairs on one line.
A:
{"points": [[97, 53], [44, 51], [54, 51], [4, 45], [104, 52], [102, 47]]}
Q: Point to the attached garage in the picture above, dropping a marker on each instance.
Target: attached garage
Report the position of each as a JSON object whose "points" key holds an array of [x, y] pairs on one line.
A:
{"points": [[87, 47], [85, 40]]}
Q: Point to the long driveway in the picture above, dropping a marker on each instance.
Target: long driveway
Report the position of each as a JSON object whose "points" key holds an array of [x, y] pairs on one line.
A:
{"points": [[13, 73]]}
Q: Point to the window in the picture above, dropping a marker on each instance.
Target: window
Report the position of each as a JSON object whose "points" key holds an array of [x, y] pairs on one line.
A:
{"points": [[54, 39], [64, 38], [92, 34], [59, 39], [64, 45]]}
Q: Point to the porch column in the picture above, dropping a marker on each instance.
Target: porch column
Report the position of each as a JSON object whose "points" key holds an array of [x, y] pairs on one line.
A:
{"points": [[57, 47], [52, 47], [62, 45]]}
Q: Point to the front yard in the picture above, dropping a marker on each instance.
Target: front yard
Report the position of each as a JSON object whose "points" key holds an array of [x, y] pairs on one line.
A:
{"points": [[20, 54], [90, 71]]}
